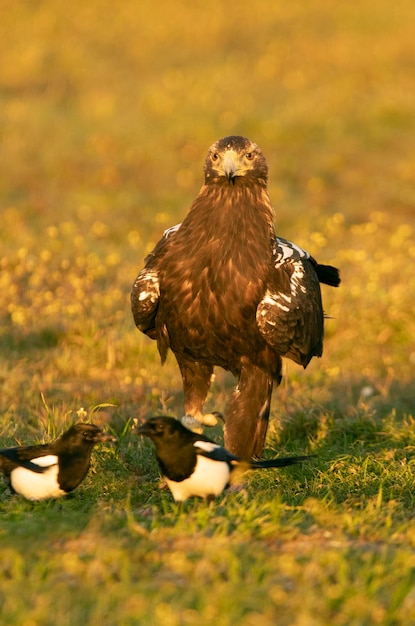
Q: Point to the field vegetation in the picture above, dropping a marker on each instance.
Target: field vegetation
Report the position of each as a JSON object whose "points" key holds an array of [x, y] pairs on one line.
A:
{"points": [[106, 113]]}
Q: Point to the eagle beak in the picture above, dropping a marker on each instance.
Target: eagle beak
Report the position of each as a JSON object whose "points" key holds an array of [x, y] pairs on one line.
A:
{"points": [[229, 166]]}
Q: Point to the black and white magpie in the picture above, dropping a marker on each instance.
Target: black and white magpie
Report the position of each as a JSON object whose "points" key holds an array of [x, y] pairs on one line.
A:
{"points": [[194, 465], [52, 470]]}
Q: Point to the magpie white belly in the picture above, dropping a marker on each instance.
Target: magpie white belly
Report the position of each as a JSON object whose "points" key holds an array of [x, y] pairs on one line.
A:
{"points": [[208, 479], [33, 486]]}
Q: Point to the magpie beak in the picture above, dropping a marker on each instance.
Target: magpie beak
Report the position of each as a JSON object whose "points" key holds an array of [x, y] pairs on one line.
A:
{"points": [[54, 469], [194, 465]]}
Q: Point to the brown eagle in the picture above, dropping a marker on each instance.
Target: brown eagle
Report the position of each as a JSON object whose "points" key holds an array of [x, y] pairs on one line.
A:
{"points": [[220, 289]]}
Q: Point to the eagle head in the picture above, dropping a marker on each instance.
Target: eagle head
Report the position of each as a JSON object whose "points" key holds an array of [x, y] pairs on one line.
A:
{"points": [[233, 159]]}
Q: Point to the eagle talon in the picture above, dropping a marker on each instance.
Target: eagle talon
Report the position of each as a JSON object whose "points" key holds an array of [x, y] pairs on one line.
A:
{"points": [[211, 419], [192, 424], [196, 423]]}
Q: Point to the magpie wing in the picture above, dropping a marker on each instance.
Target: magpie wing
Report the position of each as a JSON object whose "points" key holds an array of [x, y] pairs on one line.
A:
{"points": [[215, 452], [22, 457]]}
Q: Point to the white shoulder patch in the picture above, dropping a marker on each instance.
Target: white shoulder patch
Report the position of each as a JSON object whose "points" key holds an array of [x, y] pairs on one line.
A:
{"points": [[207, 446], [171, 230], [288, 251], [297, 277], [148, 281], [45, 461]]}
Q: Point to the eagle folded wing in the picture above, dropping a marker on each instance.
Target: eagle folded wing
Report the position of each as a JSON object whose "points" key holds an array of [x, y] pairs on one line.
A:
{"points": [[144, 300], [146, 288], [290, 315]]}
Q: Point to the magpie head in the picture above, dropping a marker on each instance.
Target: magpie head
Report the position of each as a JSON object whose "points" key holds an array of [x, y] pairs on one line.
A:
{"points": [[161, 428], [85, 435]]}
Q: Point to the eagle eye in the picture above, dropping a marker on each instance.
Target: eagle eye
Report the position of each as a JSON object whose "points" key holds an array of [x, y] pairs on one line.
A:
{"points": [[215, 156], [249, 156]]}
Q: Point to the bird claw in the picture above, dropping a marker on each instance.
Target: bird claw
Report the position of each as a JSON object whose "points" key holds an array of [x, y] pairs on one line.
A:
{"points": [[196, 423], [210, 419], [192, 424]]}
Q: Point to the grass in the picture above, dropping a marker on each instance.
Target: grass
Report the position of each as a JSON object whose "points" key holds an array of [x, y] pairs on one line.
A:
{"points": [[106, 113]]}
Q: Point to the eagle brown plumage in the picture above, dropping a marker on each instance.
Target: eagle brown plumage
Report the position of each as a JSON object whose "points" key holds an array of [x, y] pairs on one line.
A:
{"points": [[221, 289]]}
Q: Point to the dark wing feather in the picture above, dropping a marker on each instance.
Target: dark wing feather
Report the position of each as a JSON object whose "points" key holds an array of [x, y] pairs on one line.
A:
{"points": [[146, 288], [205, 447], [290, 316], [21, 456], [327, 274]]}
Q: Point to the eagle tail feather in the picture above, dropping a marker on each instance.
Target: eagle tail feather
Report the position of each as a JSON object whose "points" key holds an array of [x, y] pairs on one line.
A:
{"points": [[328, 274]]}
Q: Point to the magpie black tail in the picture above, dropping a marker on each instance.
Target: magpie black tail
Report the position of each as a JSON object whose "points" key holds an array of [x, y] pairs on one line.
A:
{"points": [[281, 462], [328, 274]]}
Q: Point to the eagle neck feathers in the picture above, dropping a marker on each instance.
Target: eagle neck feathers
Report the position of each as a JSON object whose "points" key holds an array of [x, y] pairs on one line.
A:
{"points": [[238, 216]]}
